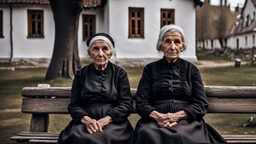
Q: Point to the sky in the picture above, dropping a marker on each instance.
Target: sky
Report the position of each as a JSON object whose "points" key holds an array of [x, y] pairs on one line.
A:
{"points": [[233, 3]]}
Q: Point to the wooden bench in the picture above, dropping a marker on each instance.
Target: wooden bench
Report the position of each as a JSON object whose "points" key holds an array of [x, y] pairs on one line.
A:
{"points": [[42, 101]]}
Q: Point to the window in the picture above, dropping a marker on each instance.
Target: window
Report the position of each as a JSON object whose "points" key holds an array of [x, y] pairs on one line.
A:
{"points": [[167, 16], [247, 20], [245, 40], [136, 22], [89, 26], [35, 23], [1, 24], [253, 40]]}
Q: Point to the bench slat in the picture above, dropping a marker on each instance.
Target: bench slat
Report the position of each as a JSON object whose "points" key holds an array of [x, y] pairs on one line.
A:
{"points": [[211, 91], [231, 91], [239, 136], [53, 139], [42, 141], [38, 134], [216, 105], [32, 137], [226, 105], [42, 92], [39, 105]]}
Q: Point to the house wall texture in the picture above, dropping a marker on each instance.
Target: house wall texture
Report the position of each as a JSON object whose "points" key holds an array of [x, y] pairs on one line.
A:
{"points": [[112, 19], [146, 47]]}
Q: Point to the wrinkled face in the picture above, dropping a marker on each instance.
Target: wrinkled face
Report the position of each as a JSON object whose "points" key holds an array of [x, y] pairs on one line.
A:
{"points": [[100, 52], [172, 45]]}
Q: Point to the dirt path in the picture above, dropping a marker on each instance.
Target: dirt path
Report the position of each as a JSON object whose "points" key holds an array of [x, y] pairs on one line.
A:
{"points": [[209, 64], [10, 110]]}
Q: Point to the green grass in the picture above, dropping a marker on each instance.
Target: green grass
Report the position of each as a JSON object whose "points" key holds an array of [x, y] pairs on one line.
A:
{"points": [[230, 123], [243, 76], [205, 55], [12, 82]]}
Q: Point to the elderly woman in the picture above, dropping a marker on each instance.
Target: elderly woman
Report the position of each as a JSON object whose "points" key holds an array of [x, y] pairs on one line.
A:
{"points": [[100, 99], [171, 98]]}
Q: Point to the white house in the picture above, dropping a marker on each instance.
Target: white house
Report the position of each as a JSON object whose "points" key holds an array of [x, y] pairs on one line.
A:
{"points": [[243, 32], [27, 27]]}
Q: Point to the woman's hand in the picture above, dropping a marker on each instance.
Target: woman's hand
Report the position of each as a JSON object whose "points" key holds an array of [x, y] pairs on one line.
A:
{"points": [[171, 119], [92, 126], [156, 115], [105, 121], [168, 120], [161, 119]]}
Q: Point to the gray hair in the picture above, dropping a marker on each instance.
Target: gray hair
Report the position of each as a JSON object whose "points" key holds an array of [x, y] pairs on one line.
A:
{"points": [[165, 29]]}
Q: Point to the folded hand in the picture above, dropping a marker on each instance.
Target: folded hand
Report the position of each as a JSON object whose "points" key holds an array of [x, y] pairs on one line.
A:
{"points": [[92, 125]]}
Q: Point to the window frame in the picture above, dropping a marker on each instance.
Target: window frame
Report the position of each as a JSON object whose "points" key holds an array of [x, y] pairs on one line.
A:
{"points": [[87, 16], [253, 40], [246, 40], [171, 19], [30, 20], [1, 24], [136, 10]]}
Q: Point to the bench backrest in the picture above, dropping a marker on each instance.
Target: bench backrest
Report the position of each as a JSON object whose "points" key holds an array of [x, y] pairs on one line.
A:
{"points": [[222, 99]]}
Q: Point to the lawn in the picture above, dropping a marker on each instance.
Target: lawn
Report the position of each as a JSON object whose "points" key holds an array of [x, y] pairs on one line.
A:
{"points": [[11, 83]]}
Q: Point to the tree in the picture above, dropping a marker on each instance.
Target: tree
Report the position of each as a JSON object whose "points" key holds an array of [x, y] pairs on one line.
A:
{"points": [[65, 59]]}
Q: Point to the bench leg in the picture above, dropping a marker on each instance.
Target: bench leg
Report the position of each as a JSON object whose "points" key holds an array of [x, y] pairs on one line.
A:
{"points": [[39, 122]]}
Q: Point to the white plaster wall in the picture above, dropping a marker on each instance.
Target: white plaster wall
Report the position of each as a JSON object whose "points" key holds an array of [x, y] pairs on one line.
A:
{"points": [[216, 44], [106, 17], [232, 42], [208, 44], [5, 47], [249, 9], [146, 47], [242, 43], [99, 12], [32, 47]]}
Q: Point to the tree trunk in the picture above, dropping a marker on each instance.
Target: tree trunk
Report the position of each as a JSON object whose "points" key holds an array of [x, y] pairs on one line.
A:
{"points": [[65, 59]]}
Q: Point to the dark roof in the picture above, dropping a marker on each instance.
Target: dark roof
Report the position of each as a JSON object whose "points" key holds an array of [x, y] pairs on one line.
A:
{"points": [[87, 3], [198, 3], [254, 2], [24, 1]]}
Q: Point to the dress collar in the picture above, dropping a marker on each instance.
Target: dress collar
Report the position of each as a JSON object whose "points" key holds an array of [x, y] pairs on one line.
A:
{"points": [[173, 63]]}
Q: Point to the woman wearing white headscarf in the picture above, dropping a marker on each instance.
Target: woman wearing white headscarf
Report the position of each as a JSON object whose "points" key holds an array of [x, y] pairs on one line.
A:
{"points": [[171, 98], [100, 100]]}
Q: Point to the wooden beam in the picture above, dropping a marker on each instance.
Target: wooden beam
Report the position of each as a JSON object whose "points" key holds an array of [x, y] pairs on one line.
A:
{"points": [[211, 91], [216, 105]]}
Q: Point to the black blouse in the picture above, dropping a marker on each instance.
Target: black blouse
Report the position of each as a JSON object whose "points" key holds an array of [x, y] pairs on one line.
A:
{"points": [[179, 81], [110, 86]]}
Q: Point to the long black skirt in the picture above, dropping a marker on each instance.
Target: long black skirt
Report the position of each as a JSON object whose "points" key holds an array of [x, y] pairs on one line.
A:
{"points": [[113, 133], [186, 131]]}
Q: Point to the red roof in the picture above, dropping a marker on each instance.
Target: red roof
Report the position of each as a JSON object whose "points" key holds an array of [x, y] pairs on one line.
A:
{"points": [[87, 3]]}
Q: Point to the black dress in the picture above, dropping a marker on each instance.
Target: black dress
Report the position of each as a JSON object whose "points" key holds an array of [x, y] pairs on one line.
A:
{"points": [[97, 94], [166, 87]]}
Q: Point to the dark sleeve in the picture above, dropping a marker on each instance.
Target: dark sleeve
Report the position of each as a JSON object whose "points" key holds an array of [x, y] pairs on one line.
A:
{"points": [[75, 106], [198, 108], [143, 95], [124, 108]]}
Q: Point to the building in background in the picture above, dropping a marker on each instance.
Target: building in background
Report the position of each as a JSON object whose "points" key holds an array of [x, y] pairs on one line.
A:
{"points": [[243, 32], [213, 24], [27, 27], [219, 28]]}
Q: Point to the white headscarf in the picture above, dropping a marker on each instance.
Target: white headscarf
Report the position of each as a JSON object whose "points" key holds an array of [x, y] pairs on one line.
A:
{"points": [[101, 38], [163, 30]]}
